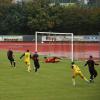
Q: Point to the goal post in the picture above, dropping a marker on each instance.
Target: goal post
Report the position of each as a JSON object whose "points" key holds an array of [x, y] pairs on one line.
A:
{"points": [[54, 41]]}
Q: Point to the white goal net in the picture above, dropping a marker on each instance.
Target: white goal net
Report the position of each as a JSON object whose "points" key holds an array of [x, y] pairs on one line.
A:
{"points": [[54, 44]]}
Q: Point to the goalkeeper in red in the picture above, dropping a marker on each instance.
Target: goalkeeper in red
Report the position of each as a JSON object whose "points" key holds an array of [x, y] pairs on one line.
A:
{"points": [[52, 59], [77, 72]]}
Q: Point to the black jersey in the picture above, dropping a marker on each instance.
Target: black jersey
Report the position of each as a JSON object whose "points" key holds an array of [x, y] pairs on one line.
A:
{"points": [[91, 64], [36, 60], [10, 54], [35, 57]]}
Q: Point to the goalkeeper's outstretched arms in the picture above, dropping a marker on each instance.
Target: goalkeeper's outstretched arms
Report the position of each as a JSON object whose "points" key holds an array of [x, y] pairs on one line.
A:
{"points": [[22, 56]]}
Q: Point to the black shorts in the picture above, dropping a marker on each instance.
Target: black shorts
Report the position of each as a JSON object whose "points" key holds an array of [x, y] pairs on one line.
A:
{"points": [[36, 64], [11, 59], [93, 71]]}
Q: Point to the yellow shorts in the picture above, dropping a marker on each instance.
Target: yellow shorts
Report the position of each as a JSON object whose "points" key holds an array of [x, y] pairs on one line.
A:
{"points": [[78, 73], [27, 62]]}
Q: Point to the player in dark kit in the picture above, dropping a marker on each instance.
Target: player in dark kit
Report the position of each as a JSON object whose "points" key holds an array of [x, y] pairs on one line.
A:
{"points": [[11, 57], [35, 58], [93, 72]]}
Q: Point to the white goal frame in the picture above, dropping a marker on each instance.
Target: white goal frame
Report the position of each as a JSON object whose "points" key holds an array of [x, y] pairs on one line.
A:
{"points": [[72, 36]]}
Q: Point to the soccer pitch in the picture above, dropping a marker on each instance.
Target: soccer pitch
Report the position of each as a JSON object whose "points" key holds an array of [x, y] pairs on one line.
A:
{"points": [[51, 82]]}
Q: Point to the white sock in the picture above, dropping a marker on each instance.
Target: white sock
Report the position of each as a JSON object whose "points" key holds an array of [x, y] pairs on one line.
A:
{"points": [[73, 80]]}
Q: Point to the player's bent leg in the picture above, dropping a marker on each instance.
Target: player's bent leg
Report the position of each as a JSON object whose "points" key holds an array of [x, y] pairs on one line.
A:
{"points": [[86, 79], [95, 74], [37, 66], [11, 62], [73, 80], [91, 77], [83, 77], [29, 67], [14, 63], [35, 69]]}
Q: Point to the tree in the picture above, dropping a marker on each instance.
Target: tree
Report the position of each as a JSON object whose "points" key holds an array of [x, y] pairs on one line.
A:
{"points": [[5, 2]]}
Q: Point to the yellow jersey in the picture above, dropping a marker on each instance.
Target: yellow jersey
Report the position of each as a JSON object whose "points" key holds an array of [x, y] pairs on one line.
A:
{"points": [[77, 71], [27, 57], [75, 68]]}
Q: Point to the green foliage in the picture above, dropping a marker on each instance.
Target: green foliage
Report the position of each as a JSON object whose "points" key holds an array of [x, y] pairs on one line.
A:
{"points": [[38, 15], [5, 2]]}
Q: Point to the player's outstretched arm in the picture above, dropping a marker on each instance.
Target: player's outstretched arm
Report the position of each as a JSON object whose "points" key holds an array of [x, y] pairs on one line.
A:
{"points": [[85, 64], [22, 56], [96, 63]]}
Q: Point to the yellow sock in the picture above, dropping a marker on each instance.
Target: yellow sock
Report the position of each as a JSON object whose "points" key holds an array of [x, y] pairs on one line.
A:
{"points": [[29, 68], [86, 79]]}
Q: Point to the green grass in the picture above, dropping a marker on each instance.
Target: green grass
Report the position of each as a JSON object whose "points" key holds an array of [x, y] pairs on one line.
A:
{"points": [[51, 82]]}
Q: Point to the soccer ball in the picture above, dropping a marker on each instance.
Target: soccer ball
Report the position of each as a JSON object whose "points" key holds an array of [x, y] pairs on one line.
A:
{"points": [[42, 42]]}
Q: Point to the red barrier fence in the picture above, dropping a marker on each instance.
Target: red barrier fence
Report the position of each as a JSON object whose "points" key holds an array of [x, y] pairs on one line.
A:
{"points": [[81, 50]]}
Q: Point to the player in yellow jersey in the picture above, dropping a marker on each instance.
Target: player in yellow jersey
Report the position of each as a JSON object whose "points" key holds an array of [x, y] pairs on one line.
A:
{"points": [[77, 72], [27, 57]]}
